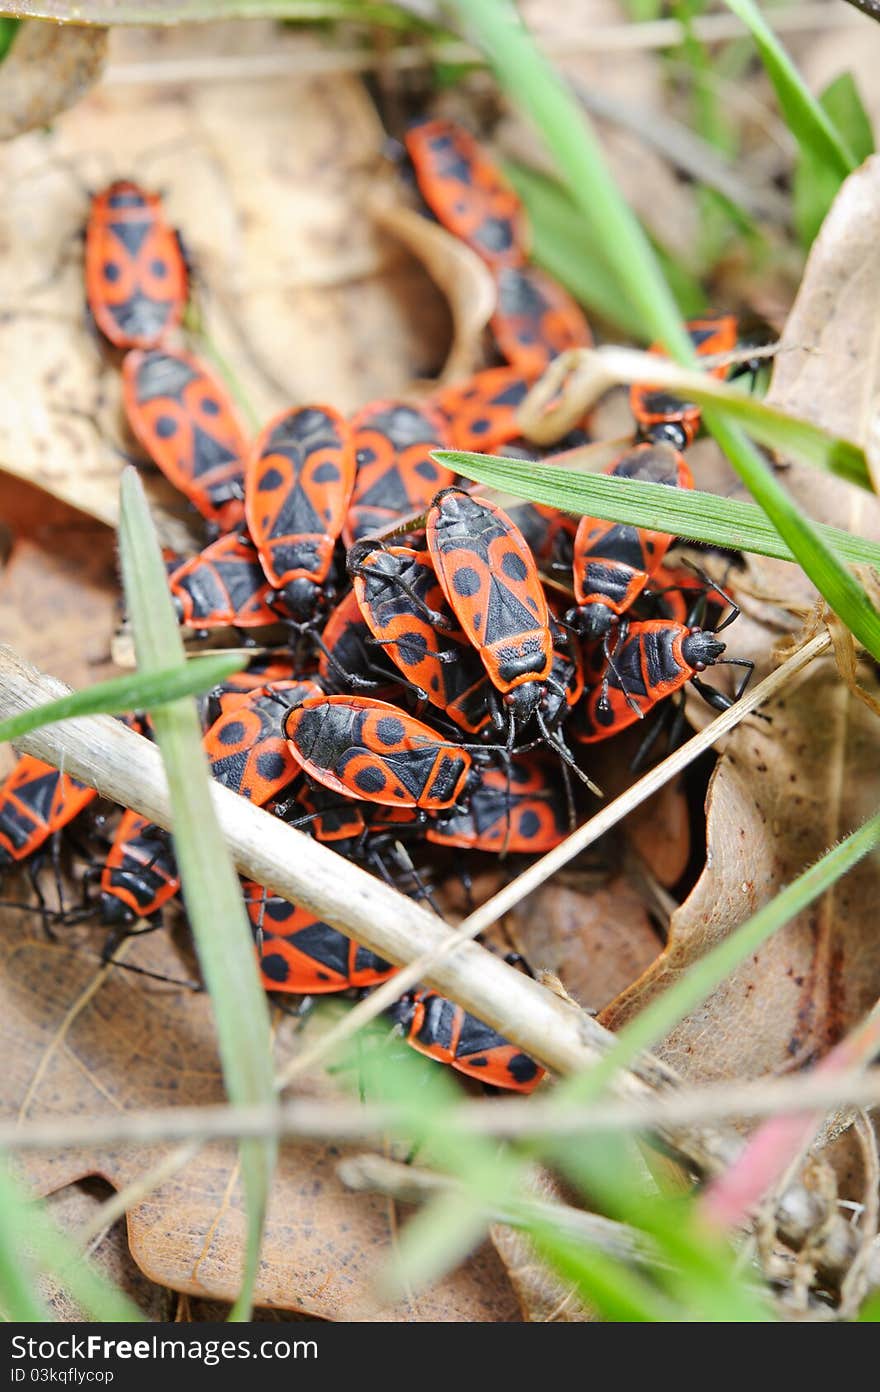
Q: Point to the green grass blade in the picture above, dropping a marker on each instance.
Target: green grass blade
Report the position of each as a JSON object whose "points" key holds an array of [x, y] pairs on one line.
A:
{"points": [[535, 85], [620, 1294], [641, 10], [693, 987], [815, 185], [832, 579], [805, 117], [25, 1227], [843, 102], [768, 424], [697, 1267], [441, 1236], [140, 691], [561, 246], [19, 1300], [870, 1310], [8, 31], [790, 435], [681, 512], [210, 885]]}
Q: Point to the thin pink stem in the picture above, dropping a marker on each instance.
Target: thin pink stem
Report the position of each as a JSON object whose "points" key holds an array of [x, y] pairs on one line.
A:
{"points": [[776, 1144]]}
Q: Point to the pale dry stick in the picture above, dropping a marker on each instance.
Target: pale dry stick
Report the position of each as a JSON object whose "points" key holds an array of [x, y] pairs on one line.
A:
{"points": [[672, 140], [536, 874], [741, 355], [375, 1174], [750, 107], [343, 1120]]}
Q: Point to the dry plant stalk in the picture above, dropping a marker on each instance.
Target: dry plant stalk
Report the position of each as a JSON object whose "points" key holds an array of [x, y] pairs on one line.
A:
{"points": [[308, 1118], [378, 1175]]}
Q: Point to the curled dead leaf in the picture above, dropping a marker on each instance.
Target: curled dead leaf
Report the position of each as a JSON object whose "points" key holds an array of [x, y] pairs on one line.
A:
{"points": [[558, 401], [47, 70], [457, 270]]}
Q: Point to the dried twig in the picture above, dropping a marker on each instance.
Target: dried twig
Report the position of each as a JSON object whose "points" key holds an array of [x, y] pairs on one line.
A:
{"points": [[343, 1120], [375, 1174], [687, 151]]}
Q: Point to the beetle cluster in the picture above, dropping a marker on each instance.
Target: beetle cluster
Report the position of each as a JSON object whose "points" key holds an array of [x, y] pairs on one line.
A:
{"points": [[418, 688]]}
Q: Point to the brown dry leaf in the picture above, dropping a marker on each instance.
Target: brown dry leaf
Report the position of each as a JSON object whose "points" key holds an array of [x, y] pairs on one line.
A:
{"points": [[101, 1041], [301, 294], [58, 591], [783, 793], [47, 70], [828, 366], [786, 790], [597, 944], [77, 1207], [545, 1299]]}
